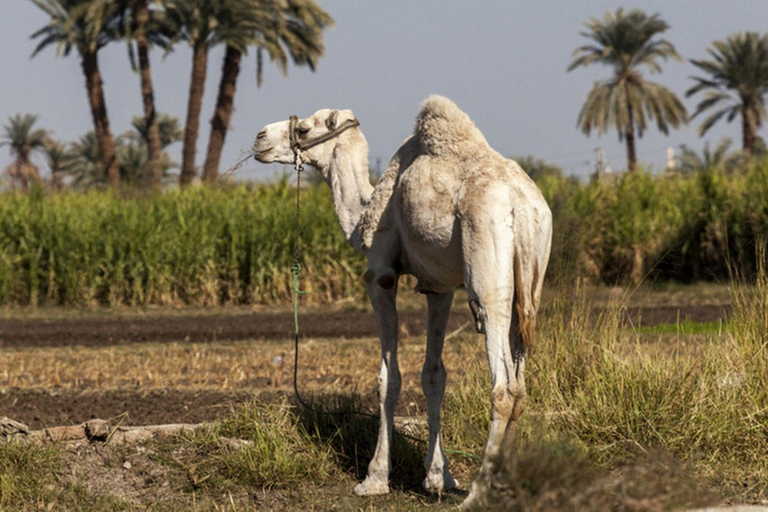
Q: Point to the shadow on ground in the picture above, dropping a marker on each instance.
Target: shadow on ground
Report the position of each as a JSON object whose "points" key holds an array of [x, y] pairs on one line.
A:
{"points": [[343, 423]]}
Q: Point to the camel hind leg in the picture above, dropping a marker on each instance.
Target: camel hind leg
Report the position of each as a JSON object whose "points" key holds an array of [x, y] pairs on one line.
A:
{"points": [[488, 243]]}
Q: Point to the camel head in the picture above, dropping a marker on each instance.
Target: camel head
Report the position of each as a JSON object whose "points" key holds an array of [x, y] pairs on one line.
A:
{"points": [[315, 136]]}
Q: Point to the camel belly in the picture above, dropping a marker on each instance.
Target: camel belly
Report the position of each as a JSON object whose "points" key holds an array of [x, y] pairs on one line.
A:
{"points": [[433, 256], [428, 225]]}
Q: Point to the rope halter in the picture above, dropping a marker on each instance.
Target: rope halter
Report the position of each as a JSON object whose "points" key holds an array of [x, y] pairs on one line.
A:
{"points": [[299, 146]]}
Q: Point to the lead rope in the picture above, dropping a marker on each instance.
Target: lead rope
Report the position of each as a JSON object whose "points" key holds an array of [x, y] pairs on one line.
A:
{"points": [[296, 292]]}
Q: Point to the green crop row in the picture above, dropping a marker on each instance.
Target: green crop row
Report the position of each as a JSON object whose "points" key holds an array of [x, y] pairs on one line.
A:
{"points": [[198, 246], [703, 225], [204, 246]]}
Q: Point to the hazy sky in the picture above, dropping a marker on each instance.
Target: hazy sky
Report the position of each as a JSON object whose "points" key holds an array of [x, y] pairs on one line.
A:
{"points": [[503, 62]]}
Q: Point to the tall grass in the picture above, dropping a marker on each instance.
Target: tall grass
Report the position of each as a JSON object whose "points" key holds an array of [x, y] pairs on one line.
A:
{"points": [[235, 245], [684, 227], [197, 246], [620, 396]]}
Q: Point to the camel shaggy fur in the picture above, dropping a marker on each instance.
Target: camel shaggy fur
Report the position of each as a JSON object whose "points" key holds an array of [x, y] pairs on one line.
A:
{"points": [[450, 211]]}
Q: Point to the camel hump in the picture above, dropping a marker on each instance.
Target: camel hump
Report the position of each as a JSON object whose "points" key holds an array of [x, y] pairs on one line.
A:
{"points": [[444, 128]]}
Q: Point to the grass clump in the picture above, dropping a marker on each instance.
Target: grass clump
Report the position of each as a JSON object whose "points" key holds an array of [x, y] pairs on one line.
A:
{"points": [[259, 445], [560, 474], [616, 394], [21, 478], [29, 481], [280, 450]]}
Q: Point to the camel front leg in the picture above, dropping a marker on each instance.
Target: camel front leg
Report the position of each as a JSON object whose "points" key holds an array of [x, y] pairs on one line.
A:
{"points": [[433, 377], [383, 293]]}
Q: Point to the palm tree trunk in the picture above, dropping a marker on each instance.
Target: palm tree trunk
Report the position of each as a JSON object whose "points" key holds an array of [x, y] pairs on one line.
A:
{"points": [[630, 135], [154, 172], [194, 106], [749, 136], [222, 114], [98, 106]]}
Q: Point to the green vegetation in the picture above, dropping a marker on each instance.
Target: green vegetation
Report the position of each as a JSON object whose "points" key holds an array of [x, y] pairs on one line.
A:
{"points": [[28, 482], [236, 245], [685, 226], [198, 246], [272, 450]]}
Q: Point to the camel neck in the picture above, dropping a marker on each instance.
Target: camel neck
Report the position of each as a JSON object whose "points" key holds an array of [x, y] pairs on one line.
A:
{"points": [[351, 188]]}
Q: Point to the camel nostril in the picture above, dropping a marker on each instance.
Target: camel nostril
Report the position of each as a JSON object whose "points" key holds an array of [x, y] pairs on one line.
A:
{"points": [[262, 134]]}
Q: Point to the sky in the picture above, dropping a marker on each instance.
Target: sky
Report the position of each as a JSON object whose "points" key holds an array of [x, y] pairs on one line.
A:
{"points": [[502, 62]]}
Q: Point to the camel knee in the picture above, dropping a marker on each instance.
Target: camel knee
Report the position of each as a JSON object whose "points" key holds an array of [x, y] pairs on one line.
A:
{"points": [[389, 382], [433, 376], [508, 403], [385, 279]]}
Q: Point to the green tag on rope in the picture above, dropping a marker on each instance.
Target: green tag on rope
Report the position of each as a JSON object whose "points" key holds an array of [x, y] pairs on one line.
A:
{"points": [[295, 271]]}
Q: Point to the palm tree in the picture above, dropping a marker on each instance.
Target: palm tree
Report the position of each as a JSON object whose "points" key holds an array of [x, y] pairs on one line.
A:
{"points": [[85, 163], [82, 157], [737, 84], [710, 160], [627, 101], [141, 28], [277, 27], [59, 162], [195, 21], [133, 146], [23, 140], [86, 25]]}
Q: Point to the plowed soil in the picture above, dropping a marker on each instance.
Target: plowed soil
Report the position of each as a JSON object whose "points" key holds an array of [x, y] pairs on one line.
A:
{"points": [[274, 326], [49, 407]]}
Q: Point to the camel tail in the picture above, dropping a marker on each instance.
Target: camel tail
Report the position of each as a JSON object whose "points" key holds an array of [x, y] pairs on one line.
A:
{"points": [[527, 281]]}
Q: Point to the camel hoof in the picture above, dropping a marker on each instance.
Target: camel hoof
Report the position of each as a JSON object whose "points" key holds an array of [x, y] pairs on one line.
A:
{"points": [[439, 482], [474, 501], [469, 503], [370, 487]]}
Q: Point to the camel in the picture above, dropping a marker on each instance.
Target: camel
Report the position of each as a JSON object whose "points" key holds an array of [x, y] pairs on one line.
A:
{"points": [[450, 211]]}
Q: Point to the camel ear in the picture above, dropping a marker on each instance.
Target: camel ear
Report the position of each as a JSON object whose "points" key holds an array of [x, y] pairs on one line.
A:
{"points": [[330, 123], [338, 117], [346, 115]]}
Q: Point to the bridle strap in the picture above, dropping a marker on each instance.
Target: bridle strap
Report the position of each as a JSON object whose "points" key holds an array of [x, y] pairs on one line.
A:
{"points": [[298, 146]]}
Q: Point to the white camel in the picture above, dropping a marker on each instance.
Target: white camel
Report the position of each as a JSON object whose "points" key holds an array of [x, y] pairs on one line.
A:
{"points": [[451, 211]]}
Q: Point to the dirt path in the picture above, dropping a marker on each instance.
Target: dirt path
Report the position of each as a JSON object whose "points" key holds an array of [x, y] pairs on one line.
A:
{"points": [[272, 326]]}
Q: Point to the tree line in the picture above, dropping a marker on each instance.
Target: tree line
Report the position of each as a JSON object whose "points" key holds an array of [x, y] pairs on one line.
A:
{"points": [[734, 85], [282, 30], [733, 82]]}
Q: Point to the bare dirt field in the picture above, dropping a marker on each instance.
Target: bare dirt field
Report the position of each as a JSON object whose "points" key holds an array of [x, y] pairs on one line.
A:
{"points": [[151, 367], [99, 332], [56, 389]]}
